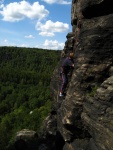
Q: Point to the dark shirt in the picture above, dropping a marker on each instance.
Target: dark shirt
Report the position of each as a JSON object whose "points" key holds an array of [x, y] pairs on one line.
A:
{"points": [[67, 65]]}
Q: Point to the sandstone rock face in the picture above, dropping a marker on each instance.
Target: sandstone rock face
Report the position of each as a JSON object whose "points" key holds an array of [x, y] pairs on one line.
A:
{"points": [[98, 115], [83, 119], [85, 115]]}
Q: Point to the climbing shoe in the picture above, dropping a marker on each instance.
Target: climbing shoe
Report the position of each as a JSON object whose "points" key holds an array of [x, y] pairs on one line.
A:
{"points": [[61, 95]]}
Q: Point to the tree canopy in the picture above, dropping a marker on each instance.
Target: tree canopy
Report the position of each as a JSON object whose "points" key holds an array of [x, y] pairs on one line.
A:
{"points": [[25, 98]]}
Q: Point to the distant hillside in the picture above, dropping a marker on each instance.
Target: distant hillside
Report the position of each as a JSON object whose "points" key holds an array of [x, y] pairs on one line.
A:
{"points": [[25, 98]]}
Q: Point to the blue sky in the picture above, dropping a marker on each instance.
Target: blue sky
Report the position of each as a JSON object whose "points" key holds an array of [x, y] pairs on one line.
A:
{"points": [[31, 23]]}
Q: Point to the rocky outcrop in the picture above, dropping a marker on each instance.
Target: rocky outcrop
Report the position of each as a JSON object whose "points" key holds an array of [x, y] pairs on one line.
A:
{"points": [[26, 140], [83, 119]]}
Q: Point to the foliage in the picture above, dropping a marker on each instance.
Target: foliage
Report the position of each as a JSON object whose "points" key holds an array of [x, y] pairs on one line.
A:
{"points": [[93, 91], [25, 98]]}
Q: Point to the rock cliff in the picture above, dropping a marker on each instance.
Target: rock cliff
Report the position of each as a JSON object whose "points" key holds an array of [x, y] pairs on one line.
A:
{"points": [[83, 119]]}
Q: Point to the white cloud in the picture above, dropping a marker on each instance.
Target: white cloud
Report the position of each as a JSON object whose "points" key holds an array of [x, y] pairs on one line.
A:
{"points": [[1, 6], [29, 36], [49, 34], [57, 1], [49, 28], [5, 41], [54, 45], [17, 11], [24, 45]]}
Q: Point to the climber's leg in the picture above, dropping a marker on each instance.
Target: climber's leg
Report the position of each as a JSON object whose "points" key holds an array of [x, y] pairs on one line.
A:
{"points": [[64, 84]]}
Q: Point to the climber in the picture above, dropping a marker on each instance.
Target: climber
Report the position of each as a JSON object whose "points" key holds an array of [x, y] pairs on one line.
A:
{"points": [[67, 66]]}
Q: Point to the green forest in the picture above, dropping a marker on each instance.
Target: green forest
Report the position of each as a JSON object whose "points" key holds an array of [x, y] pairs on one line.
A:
{"points": [[25, 97]]}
